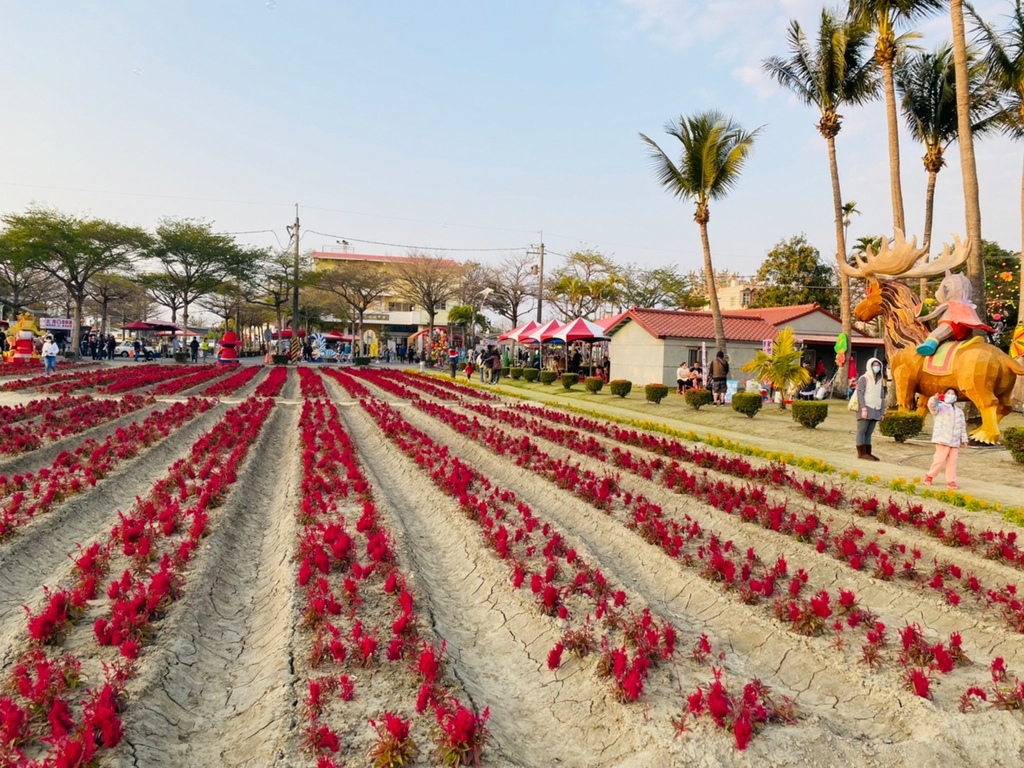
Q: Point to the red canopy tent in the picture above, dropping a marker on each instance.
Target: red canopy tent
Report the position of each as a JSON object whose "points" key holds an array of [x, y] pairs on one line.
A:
{"points": [[542, 333], [516, 334], [287, 334], [580, 330]]}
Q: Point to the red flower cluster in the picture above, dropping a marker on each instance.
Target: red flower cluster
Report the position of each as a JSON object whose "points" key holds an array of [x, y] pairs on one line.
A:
{"points": [[29, 426], [274, 383], [232, 383]]}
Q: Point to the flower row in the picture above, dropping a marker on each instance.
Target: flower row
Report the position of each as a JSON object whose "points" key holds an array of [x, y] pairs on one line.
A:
{"points": [[232, 383], [194, 379], [73, 418], [348, 598], [274, 383], [27, 494], [46, 721]]}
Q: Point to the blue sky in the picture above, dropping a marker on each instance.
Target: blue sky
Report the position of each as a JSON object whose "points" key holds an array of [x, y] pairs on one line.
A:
{"points": [[465, 125]]}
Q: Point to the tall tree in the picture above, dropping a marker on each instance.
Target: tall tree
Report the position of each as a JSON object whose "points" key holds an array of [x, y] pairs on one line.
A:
{"points": [[793, 273], [883, 16], [164, 290], [106, 289], [273, 283], [968, 165], [513, 281], [836, 71], [194, 257], [73, 250], [586, 282], [357, 284], [660, 287], [1005, 60], [21, 283], [714, 150], [926, 84], [427, 281]]}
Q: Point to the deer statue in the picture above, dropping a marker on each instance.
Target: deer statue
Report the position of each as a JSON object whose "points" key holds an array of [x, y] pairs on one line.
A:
{"points": [[981, 372]]}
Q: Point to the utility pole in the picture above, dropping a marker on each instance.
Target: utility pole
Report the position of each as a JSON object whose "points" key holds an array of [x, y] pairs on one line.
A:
{"points": [[540, 280], [296, 347]]}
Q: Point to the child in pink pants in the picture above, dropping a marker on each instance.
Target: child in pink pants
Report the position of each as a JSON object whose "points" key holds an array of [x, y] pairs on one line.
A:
{"points": [[948, 434]]}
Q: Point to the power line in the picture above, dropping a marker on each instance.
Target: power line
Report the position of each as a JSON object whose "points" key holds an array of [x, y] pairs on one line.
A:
{"points": [[411, 247]]}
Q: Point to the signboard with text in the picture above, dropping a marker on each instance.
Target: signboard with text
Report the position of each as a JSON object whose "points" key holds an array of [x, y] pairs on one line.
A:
{"points": [[55, 323]]}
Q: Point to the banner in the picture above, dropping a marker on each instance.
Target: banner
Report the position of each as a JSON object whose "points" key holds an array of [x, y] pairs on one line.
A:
{"points": [[56, 323]]}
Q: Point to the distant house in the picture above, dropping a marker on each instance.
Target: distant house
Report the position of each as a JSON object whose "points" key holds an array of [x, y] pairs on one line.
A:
{"points": [[647, 345]]}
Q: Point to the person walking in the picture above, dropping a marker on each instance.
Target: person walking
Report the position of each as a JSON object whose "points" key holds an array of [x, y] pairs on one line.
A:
{"points": [[949, 434], [453, 360], [193, 347], [495, 366], [49, 353], [870, 406], [137, 349], [719, 377]]}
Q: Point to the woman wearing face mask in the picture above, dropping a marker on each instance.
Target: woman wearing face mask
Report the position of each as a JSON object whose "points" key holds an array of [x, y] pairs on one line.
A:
{"points": [[871, 403], [948, 434]]}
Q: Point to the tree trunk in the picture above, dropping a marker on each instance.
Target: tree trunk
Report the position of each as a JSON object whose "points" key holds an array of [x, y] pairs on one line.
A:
{"points": [[361, 333], [709, 272], [78, 297], [929, 204], [184, 315], [968, 167], [845, 311], [896, 187], [103, 317], [428, 352]]}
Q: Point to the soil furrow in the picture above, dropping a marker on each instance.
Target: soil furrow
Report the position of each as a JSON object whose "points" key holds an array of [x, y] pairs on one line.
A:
{"points": [[40, 553], [474, 608], [218, 689], [837, 694]]}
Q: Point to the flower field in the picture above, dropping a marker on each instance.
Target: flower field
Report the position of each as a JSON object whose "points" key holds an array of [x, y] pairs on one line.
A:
{"points": [[364, 567]]}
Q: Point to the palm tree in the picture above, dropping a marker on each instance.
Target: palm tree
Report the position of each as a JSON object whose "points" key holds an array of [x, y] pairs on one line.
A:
{"points": [[1005, 60], [968, 166], [834, 73], [782, 368], [882, 16], [715, 149], [926, 83], [849, 208]]}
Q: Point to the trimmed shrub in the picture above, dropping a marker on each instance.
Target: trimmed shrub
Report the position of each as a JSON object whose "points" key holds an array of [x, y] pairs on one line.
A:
{"points": [[695, 398], [620, 387], [901, 425], [569, 380], [280, 359], [655, 393], [593, 384], [809, 413], [362, 361], [515, 373], [546, 377], [746, 403], [505, 372], [181, 357], [531, 374], [1013, 439]]}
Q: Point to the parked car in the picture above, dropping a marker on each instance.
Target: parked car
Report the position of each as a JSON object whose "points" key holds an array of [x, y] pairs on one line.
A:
{"points": [[127, 349]]}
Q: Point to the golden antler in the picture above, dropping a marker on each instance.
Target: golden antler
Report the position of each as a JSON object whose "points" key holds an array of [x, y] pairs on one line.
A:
{"points": [[890, 262], [946, 260]]}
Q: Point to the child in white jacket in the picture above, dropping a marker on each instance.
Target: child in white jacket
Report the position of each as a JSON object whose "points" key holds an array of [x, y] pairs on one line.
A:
{"points": [[948, 434]]}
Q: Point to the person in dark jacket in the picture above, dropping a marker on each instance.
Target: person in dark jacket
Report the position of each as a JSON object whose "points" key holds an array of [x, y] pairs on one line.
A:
{"points": [[719, 377]]}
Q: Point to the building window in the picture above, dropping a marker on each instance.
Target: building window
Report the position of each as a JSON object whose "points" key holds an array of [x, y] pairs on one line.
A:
{"points": [[745, 300], [399, 306]]}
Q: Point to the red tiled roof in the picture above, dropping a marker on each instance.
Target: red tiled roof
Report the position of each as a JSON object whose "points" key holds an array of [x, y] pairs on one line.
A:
{"points": [[780, 315], [611, 321], [671, 323]]}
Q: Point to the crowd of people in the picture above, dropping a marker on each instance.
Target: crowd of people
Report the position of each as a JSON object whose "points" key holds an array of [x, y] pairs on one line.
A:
{"points": [[97, 346]]}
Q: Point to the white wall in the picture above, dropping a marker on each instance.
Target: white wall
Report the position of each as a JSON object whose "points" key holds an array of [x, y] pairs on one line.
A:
{"points": [[638, 356]]}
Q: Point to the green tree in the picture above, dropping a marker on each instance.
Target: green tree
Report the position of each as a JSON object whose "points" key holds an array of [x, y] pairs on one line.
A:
{"points": [[660, 287], [926, 84], [106, 289], [21, 283], [714, 150], [195, 259], [1005, 60], [73, 250], [883, 16], [782, 368], [836, 71], [1002, 278], [587, 282], [793, 273]]}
